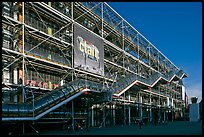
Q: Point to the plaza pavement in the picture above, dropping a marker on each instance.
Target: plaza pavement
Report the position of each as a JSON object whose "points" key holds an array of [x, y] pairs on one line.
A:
{"points": [[172, 128]]}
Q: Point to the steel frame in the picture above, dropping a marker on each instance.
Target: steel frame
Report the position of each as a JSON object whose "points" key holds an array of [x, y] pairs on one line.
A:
{"points": [[122, 41]]}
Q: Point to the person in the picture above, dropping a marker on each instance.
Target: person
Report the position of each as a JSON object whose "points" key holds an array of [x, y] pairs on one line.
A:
{"points": [[69, 124], [69, 128], [87, 129], [140, 123]]}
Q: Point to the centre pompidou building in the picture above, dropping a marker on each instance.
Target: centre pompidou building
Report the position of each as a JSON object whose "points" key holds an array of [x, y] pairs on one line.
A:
{"points": [[81, 62]]}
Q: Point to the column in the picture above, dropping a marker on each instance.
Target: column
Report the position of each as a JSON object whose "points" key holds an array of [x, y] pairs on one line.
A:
{"points": [[15, 81], [172, 104], [150, 110], [129, 120], [140, 107], [97, 121], [104, 124], [23, 63], [72, 114], [114, 115], [172, 116], [92, 116], [129, 115], [96, 117], [110, 114], [159, 118], [164, 115], [124, 112]]}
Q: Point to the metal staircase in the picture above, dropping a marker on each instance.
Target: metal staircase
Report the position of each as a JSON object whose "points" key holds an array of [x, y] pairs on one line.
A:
{"points": [[42, 105], [127, 82], [33, 110]]}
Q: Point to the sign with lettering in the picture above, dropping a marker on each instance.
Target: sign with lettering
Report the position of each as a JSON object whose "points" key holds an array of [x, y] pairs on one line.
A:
{"points": [[88, 51]]}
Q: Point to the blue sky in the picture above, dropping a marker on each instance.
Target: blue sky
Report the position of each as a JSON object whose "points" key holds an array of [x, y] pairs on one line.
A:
{"points": [[175, 28]]}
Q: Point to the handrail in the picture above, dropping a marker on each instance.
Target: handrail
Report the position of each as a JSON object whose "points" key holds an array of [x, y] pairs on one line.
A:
{"points": [[47, 101], [60, 94], [120, 86]]}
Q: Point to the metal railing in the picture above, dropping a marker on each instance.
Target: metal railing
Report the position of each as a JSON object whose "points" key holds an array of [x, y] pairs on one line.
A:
{"points": [[47, 101], [58, 95]]}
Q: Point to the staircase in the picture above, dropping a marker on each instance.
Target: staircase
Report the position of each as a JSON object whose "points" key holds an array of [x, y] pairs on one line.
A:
{"points": [[40, 106]]}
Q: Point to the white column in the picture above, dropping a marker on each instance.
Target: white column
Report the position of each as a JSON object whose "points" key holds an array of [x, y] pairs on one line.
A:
{"points": [[92, 116], [114, 115], [129, 114], [140, 108], [23, 65], [129, 97]]}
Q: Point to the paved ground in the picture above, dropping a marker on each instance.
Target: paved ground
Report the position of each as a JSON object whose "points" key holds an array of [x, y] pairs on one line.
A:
{"points": [[173, 128]]}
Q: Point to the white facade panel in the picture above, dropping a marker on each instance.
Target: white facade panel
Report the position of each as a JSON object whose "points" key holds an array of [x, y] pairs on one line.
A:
{"points": [[167, 101], [6, 76], [172, 102], [140, 99], [15, 76]]}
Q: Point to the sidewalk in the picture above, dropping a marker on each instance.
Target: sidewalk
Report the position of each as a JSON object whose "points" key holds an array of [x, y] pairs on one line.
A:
{"points": [[173, 128]]}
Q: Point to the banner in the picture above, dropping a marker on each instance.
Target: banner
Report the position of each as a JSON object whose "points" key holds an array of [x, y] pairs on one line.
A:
{"points": [[88, 51]]}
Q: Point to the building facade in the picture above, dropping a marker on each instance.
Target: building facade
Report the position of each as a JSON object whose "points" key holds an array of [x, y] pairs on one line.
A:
{"points": [[83, 63]]}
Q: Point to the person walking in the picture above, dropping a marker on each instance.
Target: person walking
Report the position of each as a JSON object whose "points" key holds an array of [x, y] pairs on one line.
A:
{"points": [[140, 123]]}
